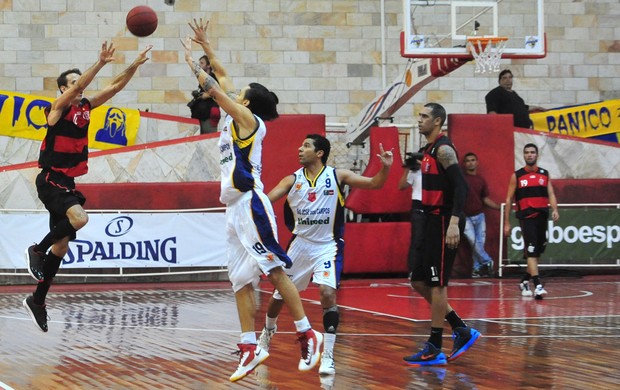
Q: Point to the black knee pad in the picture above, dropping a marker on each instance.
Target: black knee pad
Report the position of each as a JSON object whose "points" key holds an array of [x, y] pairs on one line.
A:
{"points": [[331, 319]]}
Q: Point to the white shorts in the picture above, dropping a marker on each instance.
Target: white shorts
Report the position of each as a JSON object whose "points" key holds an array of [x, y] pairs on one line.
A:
{"points": [[252, 239], [312, 260]]}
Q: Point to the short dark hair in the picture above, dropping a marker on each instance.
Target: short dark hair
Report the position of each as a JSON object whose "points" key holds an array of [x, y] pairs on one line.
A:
{"points": [[469, 154], [263, 102], [437, 111], [530, 145], [321, 143], [206, 58], [62, 79], [503, 72]]}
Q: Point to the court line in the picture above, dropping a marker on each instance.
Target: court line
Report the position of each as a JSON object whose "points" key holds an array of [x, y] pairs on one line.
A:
{"points": [[5, 386], [583, 295]]}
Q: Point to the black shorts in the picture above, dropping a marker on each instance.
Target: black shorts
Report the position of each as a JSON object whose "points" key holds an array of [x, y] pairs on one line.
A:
{"points": [[434, 266], [534, 231], [58, 194], [417, 238]]}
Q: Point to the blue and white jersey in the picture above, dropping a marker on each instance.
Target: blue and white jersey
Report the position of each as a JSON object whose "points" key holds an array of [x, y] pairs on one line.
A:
{"points": [[314, 209], [240, 160]]}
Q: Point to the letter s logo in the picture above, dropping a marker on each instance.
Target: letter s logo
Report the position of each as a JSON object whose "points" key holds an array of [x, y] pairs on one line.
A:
{"points": [[119, 226]]}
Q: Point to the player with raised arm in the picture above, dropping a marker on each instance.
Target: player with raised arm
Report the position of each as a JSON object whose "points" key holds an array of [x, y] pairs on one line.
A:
{"points": [[253, 246], [314, 211], [63, 157]]}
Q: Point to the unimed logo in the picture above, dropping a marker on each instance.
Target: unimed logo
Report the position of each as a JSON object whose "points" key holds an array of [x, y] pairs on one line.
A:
{"points": [[152, 250], [599, 234]]}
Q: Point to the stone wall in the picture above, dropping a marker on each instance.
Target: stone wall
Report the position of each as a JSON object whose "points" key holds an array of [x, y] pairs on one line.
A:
{"points": [[320, 56]]}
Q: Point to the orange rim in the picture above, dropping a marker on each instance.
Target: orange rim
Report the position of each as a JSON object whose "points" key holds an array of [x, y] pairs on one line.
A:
{"points": [[482, 42]]}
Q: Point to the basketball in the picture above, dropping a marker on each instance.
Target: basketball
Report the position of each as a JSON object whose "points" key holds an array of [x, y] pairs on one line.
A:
{"points": [[141, 21]]}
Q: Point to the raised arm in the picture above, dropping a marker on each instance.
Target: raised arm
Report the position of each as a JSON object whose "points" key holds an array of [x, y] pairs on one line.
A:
{"points": [[283, 187], [200, 37], [106, 55], [352, 179], [240, 113], [120, 81]]}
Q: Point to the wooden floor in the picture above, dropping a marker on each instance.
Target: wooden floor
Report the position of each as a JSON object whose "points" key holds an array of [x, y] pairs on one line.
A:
{"points": [[181, 336]]}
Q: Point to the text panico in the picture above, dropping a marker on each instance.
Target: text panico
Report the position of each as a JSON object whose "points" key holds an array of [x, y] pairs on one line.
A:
{"points": [[585, 121]]}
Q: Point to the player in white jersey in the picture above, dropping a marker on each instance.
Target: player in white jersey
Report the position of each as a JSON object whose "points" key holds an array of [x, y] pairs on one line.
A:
{"points": [[253, 246], [314, 213]]}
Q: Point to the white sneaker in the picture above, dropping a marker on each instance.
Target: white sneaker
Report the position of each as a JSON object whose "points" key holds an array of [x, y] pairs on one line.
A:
{"points": [[264, 341], [525, 289], [311, 342], [327, 382], [327, 363], [539, 292], [250, 357]]}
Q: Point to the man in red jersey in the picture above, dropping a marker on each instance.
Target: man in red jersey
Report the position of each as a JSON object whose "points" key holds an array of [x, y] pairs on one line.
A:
{"points": [[443, 195], [63, 157], [531, 185]]}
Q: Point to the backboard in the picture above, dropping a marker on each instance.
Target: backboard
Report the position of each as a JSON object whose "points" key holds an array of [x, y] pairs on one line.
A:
{"points": [[435, 28]]}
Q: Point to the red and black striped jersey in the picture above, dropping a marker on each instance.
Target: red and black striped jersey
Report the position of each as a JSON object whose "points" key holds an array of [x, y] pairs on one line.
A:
{"points": [[531, 195], [65, 146], [437, 194]]}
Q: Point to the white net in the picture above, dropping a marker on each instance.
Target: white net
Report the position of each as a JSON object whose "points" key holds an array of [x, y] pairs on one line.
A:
{"points": [[486, 52]]}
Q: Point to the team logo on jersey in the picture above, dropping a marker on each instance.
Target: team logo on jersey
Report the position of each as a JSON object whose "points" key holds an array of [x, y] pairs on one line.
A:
{"points": [[328, 192], [541, 181], [311, 196], [269, 257], [298, 186]]}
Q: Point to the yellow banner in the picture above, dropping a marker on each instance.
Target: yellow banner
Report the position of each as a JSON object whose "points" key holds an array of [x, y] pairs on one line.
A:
{"points": [[22, 116], [586, 121]]}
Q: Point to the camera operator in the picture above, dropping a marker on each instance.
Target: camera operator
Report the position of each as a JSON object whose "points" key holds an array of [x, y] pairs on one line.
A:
{"points": [[412, 177], [202, 106]]}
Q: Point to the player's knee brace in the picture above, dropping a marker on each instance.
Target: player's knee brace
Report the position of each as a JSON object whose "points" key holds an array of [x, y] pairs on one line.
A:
{"points": [[331, 319]]}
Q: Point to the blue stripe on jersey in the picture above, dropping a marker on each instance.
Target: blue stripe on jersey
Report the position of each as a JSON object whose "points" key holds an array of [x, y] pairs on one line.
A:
{"points": [[242, 174], [263, 226], [339, 259]]}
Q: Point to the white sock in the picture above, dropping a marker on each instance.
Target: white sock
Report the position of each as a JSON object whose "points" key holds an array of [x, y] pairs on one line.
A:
{"points": [[248, 338], [302, 325], [329, 339], [270, 323]]}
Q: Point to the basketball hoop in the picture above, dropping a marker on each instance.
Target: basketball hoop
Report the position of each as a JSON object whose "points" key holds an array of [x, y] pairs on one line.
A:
{"points": [[487, 51]]}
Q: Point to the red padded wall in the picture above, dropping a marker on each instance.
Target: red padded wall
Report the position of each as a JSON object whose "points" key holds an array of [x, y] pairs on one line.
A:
{"points": [[388, 199]]}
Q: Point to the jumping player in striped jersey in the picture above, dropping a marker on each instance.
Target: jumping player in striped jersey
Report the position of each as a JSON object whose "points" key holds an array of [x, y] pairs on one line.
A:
{"points": [[253, 246], [531, 185], [314, 213], [63, 157]]}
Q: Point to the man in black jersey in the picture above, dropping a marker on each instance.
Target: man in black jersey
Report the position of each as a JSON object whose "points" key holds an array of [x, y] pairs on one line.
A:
{"points": [[63, 157], [443, 195]]}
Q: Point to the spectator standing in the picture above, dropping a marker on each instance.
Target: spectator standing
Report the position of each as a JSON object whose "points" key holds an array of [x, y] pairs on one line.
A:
{"points": [[475, 222]]}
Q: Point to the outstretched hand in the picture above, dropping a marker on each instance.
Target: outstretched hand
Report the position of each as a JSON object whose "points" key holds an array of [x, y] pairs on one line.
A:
{"points": [[106, 55], [386, 157], [187, 45], [200, 30], [142, 58]]}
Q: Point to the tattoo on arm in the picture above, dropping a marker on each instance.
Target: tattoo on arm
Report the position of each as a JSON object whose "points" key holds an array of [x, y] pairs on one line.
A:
{"points": [[197, 69], [232, 95], [446, 156], [208, 83]]}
